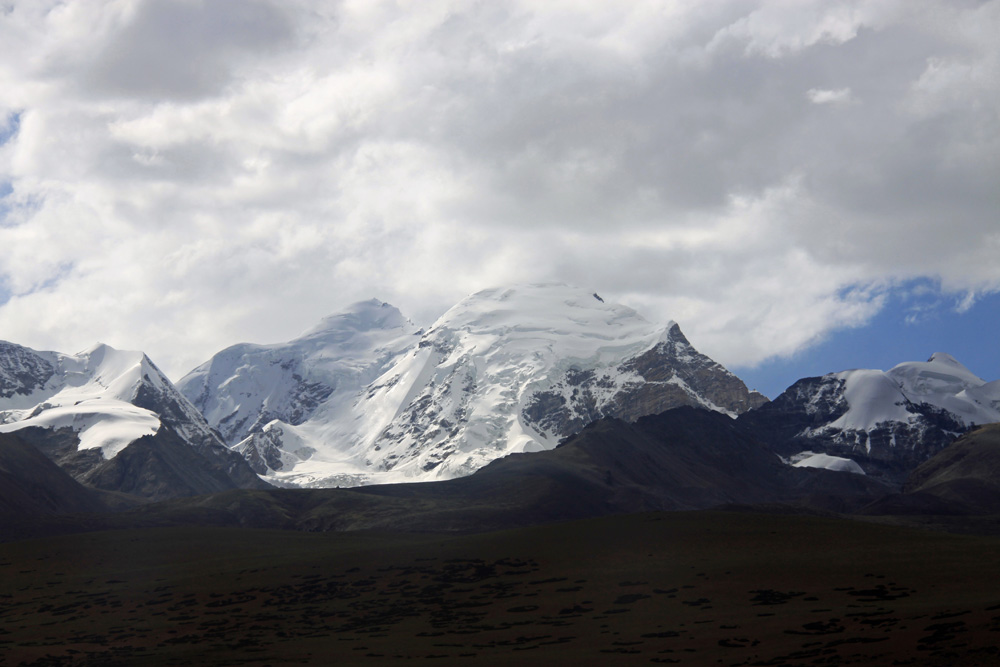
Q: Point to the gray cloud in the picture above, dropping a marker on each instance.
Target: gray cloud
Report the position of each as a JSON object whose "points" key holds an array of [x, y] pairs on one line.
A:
{"points": [[188, 174], [182, 49]]}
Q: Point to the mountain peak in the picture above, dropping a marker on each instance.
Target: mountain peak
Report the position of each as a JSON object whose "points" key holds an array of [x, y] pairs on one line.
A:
{"points": [[97, 348], [555, 307], [507, 369], [945, 358], [246, 386], [886, 421], [941, 373], [108, 398], [361, 316]]}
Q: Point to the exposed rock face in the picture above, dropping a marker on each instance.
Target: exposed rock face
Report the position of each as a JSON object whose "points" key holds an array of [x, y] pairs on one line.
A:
{"points": [[164, 465], [62, 447], [31, 484], [668, 375], [887, 422], [262, 451], [22, 371]]}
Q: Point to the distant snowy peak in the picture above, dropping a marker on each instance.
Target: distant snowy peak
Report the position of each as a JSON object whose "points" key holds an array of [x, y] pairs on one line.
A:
{"points": [[550, 327], [888, 421], [504, 370], [358, 319], [873, 397], [522, 310], [113, 421], [464, 395], [89, 392], [108, 397], [246, 386]]}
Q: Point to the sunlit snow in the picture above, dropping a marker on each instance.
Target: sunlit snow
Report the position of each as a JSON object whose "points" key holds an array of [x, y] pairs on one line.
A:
{"points": [[826, 461], [433, 404], [90, 393]]}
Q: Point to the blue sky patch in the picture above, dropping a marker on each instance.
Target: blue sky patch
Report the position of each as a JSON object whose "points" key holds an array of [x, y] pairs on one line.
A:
{"points": [[918, 319]]}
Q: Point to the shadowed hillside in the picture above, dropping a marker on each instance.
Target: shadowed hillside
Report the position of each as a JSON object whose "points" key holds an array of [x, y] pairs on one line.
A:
{"points": [[962, 480], [682, 459], [31, 484]]}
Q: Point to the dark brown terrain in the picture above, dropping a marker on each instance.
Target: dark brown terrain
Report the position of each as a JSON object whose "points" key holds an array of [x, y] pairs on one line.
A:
{"points": [[560, 557], [692, 588]]}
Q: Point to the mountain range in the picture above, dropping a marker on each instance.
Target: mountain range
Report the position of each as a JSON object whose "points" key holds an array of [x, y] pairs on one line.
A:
{"points": [[367, 398], [113, 421], [554, 448], [545, 388], [880, 423]]}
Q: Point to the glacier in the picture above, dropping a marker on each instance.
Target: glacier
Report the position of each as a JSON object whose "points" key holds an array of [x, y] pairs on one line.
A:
{"points": [[506, 370]]}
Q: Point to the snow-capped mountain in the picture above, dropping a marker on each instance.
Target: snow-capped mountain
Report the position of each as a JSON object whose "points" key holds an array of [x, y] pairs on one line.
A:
{"points": [[246, 386], [886, 422], [505, 370], [85, 409]]}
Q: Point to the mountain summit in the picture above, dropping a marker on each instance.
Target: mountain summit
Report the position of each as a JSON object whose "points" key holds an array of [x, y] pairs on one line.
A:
{"points": [[113, 421], [887, 422], [243, 388], [505, 370]]}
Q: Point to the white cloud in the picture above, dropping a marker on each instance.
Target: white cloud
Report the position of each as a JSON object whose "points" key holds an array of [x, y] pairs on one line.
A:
{"points": [[782, 28], [822, 96], [189, 174]]}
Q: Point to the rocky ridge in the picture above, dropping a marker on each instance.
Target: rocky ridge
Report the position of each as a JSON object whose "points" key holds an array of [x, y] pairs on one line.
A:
{"points": [[887, 422]]}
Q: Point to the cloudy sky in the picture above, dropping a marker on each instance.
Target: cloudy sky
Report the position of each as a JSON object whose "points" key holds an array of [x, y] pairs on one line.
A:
{"points": [[792, 181]]}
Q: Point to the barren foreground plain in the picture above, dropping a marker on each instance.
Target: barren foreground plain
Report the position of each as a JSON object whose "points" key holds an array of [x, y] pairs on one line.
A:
{"points": [[694, 588]]}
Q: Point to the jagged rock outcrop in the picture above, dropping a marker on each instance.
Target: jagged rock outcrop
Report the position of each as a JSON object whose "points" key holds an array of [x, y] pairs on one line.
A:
{"points": [[22, 370], [668, 375]]}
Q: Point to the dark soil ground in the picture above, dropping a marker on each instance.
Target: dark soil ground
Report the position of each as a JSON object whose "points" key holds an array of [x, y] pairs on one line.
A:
{"points": [[693, 588]]}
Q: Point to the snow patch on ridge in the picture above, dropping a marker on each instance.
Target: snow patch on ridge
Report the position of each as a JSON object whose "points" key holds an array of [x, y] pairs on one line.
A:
{"points": [[91, 393], [809, 459]]}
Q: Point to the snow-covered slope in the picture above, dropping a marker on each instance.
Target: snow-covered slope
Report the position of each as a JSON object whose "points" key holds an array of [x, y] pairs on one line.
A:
{"points": [[106, 399], [886, 421], [910, 391], [505, 370], [246, 386], [825, 461], [92, 393]]}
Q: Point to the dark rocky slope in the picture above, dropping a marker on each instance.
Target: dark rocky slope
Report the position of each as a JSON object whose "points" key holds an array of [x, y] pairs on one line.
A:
{"points": [[962, 480], [31, 484], [682, 459]]}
